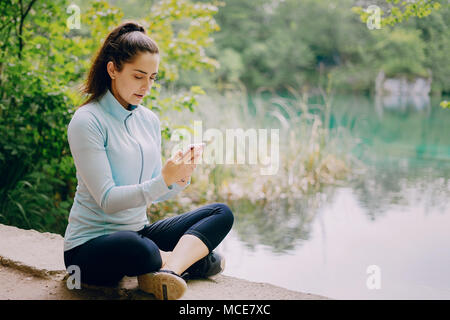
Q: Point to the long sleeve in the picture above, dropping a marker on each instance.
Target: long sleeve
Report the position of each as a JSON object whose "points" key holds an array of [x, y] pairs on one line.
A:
{"points": [[87, 145], [174, 188]]}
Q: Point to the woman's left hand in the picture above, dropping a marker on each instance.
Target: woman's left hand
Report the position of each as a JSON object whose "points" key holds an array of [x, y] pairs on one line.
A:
{"points": [[185, 180]]}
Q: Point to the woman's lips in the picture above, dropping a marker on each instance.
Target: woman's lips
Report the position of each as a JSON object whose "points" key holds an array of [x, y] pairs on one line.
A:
{"points": [[139, 96]]}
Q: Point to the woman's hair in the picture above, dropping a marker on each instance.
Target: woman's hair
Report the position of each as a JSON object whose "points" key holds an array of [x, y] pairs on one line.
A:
{"points": [[121, 46]]}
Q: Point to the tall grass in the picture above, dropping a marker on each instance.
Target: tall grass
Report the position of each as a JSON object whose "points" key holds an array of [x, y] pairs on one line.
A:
{"points": [[313, 153]]}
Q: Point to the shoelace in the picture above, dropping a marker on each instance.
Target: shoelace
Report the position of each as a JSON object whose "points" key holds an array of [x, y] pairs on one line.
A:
{"points": [[185, 276], [182, 276]]}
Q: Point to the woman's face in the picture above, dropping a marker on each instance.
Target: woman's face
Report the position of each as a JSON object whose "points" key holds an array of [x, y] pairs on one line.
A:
{"points": [[134, 82]]}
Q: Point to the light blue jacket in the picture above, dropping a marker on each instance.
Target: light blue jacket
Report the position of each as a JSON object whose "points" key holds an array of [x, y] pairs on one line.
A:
{"points": [[117, 155]]}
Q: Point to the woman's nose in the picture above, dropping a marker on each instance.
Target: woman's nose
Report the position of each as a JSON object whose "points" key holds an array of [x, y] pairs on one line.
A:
{"points": [[147, 86]]}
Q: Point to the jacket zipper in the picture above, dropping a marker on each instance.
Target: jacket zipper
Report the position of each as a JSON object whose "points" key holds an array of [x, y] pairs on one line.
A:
{"points": [[140, 147]]}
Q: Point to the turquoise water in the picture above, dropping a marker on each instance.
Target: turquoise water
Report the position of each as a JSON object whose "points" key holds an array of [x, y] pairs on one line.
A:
{"points": [[396, 216]]}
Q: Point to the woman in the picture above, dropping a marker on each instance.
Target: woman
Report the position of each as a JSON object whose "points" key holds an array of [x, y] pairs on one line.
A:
{"points": [[116, 146]]}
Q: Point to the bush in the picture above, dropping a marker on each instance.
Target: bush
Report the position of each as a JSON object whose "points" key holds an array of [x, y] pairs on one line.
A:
{"points": [[33, 120]]}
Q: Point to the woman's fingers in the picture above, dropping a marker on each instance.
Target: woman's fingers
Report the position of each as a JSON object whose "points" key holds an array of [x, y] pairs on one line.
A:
{"points": [[183, 164], [176, 168], [192, 156], [178, 157], [186, 156]]}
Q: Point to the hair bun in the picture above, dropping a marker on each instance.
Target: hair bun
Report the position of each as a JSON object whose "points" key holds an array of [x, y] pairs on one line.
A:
{"points": [[130, 27]]}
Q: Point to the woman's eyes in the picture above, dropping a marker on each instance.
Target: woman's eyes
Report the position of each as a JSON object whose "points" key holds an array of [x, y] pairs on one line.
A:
{"points": [[155, 78]]}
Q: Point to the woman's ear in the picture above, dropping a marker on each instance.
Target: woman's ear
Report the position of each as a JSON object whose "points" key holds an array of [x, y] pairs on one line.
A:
{"points": [[111, 69]]}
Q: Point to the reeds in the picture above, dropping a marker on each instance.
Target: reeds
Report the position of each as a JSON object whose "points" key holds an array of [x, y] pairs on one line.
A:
{"points": [[312, 155]]}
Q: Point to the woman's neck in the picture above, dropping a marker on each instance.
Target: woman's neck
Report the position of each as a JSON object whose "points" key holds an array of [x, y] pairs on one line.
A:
{"points": [[116, 95]]}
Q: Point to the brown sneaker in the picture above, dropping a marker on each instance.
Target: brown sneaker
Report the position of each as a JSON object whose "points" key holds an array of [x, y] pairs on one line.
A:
{"points": [[164, 284]]}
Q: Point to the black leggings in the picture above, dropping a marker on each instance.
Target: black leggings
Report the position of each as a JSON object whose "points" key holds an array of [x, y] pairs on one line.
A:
{"points": [[105, 260]]}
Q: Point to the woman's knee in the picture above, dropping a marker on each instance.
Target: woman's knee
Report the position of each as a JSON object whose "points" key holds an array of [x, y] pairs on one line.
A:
{"points": [[227, 217]]}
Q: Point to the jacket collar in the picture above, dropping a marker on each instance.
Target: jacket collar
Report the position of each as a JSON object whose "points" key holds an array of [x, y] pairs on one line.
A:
{"points": [[112, 106]]}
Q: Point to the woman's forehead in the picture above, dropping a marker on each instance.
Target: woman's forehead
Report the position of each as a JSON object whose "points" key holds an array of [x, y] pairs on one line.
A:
{"points": [[145, 63]]}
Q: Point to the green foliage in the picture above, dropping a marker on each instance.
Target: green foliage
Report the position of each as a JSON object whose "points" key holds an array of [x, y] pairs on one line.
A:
{"points": [[274, 44], [397, 11], [435, 32], [422, 44], [42, 200], [401, 52], [33, 120], [445, 104], [182, 30]]}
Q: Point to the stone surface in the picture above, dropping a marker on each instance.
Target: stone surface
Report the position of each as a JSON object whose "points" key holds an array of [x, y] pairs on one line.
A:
{"points": [[32, 267], [38, 253]]}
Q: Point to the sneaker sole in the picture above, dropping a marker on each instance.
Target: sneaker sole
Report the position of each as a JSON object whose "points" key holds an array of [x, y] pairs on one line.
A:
{"points": [[164, 286], [222, 265]]}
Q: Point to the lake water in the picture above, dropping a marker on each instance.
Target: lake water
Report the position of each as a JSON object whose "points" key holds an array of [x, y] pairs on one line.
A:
{"points": [[385, 236]]}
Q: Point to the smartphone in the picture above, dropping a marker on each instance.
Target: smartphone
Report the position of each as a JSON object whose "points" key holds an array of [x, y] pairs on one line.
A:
{"points": [[196, 146]]}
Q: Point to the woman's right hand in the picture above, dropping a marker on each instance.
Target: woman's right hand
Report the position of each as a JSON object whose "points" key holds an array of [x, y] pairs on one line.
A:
{"points": [[179, 167]]}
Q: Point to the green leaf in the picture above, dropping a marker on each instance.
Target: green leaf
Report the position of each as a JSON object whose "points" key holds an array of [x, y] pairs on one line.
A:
{"points": [[445, 104]]}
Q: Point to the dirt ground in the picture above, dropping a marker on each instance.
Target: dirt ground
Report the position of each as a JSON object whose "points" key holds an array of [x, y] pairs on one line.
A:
{"points": [[19, 285]]}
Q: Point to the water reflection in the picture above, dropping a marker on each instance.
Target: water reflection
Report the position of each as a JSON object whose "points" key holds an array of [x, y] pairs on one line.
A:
{"points": [[402, 103], [408, 241], [278, 224], [396, 216], [386, 186]]}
